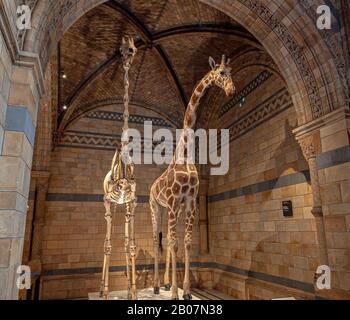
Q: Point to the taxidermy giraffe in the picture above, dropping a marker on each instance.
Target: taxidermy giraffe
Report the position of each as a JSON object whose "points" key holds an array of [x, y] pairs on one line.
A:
{"points": [[177, 188]]}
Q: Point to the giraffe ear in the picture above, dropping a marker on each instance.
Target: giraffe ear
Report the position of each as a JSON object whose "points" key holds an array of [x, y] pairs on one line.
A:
{"points": [[212, 63]]}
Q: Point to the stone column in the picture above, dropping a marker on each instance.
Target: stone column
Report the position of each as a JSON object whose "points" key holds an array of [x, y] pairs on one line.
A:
{"points": [[42, 183], [309, 146], [203, 217], [21, 85]]}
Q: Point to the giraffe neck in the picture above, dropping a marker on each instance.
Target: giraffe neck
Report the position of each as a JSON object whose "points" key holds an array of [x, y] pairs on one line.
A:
{"points": [[191, 111], [190, 118]]}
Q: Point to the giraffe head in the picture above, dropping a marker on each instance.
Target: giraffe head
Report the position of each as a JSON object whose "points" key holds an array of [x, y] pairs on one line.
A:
{"points": [[128, 50], [221, 75]]}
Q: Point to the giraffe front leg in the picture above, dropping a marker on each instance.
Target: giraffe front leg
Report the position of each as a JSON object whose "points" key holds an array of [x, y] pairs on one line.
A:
{"points": [[190, 213]]}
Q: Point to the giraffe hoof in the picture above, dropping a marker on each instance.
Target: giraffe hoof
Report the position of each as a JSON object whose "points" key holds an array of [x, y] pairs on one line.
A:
{"points": [[156, 290], [176, 298], [187, 296], [167, 287]]}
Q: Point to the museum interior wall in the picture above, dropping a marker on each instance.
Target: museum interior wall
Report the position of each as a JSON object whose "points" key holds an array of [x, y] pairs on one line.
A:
{"points": [[61, 88]]}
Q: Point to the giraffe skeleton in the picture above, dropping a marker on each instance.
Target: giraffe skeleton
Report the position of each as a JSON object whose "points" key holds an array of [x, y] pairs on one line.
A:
{"points": [[120, 188]]}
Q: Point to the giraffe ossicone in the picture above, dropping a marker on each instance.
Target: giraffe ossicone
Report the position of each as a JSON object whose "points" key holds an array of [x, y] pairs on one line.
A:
{"points": [[177, 188]]}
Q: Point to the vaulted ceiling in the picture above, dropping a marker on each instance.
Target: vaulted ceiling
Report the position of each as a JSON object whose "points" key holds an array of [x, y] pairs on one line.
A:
{"points": [[174, 38]]}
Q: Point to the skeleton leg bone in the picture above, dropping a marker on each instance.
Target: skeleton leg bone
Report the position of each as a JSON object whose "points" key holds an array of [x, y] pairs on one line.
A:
{"points": [[107, 251], [127, 254]]}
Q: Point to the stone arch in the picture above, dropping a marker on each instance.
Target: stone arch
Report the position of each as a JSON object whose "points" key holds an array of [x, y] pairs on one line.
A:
{"points": [[308, 77], [313, 81]]}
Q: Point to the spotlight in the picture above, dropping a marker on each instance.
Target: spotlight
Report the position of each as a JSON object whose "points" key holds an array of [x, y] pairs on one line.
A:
{"points": [[242, 102], [64, 107], [64, 76]]}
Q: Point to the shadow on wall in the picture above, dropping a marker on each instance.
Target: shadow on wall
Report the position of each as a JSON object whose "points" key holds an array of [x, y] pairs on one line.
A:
{"points": [[284, 160], [144, 276], [256, 261]]}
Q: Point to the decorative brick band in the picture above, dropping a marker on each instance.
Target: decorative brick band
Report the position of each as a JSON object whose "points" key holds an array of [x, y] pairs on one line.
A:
{"points": [[274, 105], [116, 116], [295, 284], [325, 160], [18, 119], [81, 197], [284, 181], [100, 141], [333, 158], [254, 84]]}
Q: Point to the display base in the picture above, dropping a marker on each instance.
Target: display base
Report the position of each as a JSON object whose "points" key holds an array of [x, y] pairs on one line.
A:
{"points": [[142, 294]]}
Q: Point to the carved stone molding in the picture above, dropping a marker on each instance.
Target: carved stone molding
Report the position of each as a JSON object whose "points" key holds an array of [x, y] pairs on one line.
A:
{"points": [[332, 39], [18, 57], [314, 126], [295, 50]]}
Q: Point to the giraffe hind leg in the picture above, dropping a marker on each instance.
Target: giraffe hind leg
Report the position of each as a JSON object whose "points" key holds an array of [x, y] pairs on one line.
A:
{"points": [[173, 219], [167, 284]]}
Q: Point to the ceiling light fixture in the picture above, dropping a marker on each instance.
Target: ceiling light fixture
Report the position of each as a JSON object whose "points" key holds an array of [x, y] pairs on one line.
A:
{"points": [[64, 107], [64, 76], [242, 102]]}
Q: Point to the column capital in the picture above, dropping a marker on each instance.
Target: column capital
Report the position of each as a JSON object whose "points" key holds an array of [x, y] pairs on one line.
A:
{"points": [[308, 148]]}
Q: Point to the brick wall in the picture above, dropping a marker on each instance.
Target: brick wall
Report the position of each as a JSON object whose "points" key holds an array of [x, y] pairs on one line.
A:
{"points": [[334, 173], [247, 228]]}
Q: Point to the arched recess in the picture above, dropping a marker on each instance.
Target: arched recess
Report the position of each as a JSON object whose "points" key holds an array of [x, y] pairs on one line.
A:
{"points": [[113, 102], [312, 80]]}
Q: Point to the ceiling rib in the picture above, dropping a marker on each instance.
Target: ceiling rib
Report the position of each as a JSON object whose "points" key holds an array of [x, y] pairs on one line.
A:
{"points": [[147, 37]]}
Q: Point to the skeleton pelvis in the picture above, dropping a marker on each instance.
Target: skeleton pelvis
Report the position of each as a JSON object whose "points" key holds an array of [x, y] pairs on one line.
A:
{"points": [[121, 190]]}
